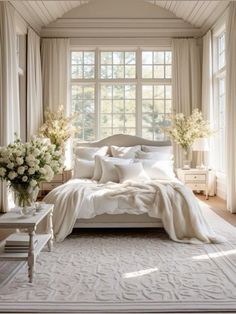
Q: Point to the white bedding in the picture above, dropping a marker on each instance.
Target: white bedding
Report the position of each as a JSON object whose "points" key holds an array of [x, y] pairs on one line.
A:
{"points": [[174, 203]]}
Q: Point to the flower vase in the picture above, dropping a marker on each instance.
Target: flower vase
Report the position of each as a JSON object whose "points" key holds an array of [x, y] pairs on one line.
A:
{"points": [[187, 159], [25, 197]]}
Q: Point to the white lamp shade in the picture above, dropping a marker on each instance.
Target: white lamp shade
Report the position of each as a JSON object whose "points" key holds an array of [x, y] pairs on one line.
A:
{"points": [[201, 145]]}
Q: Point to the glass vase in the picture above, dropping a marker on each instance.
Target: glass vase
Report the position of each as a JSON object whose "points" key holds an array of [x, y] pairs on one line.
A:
{"points": [[25, 197], [187, 159]]}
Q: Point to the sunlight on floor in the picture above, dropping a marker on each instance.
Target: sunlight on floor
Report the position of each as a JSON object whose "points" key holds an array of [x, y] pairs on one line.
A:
{"points": [[139, 273], [214, 255]]}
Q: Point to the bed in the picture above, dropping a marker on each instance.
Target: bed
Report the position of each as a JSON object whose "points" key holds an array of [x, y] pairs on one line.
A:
{"points": [[136, 187], [121, 220]]}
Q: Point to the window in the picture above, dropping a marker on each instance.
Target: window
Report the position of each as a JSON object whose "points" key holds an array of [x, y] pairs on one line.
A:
{"points": [[121, 91], [219, 101]]}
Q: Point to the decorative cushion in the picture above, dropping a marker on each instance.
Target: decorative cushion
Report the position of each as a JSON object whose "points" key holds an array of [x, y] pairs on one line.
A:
{"points": [[109, 171], [98, 168], [83, 168], [158, 149], [134, 172], [89, 153], [124, 152], [158, 170], [153, 155]]}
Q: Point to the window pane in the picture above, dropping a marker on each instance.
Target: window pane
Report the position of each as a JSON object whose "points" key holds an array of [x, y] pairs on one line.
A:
{"points": [[147, 57], [130, 57], [77, 57], [147, 71], [122, 107], [89, 57], [159, 57], [83, 102], [106, 57], [130, 71], [156, 109], [83, 65], [118, 57], [77, 71], [159, 71], [118, 71]]}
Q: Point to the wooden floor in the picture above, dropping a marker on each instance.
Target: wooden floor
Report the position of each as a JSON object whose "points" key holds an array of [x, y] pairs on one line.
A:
{"points": [[219, 206]]}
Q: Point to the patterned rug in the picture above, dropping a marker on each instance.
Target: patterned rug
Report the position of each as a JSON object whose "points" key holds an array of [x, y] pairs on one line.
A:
{"points": [[129, 271]]}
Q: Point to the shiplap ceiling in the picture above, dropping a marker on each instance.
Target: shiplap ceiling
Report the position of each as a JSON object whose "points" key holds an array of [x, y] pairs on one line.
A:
{"points": [[201, 14], [42, 13]]}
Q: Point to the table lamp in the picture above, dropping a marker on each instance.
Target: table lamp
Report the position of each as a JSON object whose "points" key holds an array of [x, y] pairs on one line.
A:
{"points": [[201, 145]]}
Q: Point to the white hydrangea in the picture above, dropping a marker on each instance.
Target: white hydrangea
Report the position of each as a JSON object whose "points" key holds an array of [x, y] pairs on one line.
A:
{"points": [[2, 172], [12, 175], [21, 170], [10, 165], [19, 161], [33, 183], [31, 170]]}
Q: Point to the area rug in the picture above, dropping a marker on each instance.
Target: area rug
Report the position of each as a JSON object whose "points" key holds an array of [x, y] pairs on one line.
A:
{"points": [[129, 271]]}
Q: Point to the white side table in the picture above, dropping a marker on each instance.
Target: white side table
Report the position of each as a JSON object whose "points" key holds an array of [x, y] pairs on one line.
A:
{"points": [[195, 179], [13, 220]]}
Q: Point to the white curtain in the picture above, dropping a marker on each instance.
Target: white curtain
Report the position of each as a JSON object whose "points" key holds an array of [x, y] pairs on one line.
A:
{"points": [[55, 75], [9, 89], [231, 107], [34, 84], [54, 54], [207, 104], [186, 81]]}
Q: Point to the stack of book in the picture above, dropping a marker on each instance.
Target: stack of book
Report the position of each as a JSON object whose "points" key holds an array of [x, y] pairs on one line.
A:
{"points": [[18, 243]]}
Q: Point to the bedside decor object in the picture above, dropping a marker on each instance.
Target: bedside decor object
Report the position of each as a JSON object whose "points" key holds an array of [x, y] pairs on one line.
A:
{"points": [[57, 127], [195, 179], [201, 145], [186, 129], [25, 165]]}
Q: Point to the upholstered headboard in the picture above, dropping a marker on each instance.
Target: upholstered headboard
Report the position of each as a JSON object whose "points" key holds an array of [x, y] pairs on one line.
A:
{"points": [[122, 140]]}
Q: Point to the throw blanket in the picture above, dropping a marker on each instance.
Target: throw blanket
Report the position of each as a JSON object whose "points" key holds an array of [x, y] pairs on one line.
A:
{"points": [[173, 202]]}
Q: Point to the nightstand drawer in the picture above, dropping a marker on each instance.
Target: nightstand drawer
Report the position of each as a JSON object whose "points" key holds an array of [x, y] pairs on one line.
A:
{"points": [[48, 186], [195, 177], [196, 186], [58, 177]]}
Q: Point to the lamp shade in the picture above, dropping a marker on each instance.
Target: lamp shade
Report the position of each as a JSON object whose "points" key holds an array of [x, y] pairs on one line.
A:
{"points": [[201, 145]]}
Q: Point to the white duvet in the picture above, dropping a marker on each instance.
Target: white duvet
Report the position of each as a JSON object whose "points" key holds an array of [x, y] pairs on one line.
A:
{"points": [[173, 202]]}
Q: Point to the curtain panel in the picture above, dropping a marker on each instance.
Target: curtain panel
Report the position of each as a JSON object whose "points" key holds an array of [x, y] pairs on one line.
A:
{"points": [[231, 108], [54, 54], [186, 82], [207, 104], [34, 84], [9, 89]]}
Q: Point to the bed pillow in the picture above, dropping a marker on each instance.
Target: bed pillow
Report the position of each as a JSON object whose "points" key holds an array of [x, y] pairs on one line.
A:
{"points": [[124, 152], [98, 167], [109, 171], [153, 155], [134, 172], [89, 153], [83, 168], [158, 170], [158, 149]]}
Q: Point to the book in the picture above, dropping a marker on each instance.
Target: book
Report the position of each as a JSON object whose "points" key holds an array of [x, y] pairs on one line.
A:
{"points": [[18, 239]]}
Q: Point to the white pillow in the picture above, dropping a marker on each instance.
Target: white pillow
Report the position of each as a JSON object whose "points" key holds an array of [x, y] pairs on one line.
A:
{"points": [[98, 167], [90, 152], [159, 149], [124, 152], [109, 171], [134, 172], [83, 168], [153, 155], [159, 170]]}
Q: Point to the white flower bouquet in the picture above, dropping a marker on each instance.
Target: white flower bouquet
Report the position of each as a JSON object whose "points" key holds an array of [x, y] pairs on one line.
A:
{"points": [[57, 127], [25, 165], [186, 129]]}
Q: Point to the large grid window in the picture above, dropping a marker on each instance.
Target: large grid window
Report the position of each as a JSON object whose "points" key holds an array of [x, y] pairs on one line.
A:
{"points": [[121, 91], [219, 102]]}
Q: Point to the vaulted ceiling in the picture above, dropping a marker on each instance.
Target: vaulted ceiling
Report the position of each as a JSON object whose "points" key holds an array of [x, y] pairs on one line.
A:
{"points": [[200, 14]]}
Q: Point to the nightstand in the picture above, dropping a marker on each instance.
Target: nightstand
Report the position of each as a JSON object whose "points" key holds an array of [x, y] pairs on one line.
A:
{"points": [[59, 179], [195, 179]]}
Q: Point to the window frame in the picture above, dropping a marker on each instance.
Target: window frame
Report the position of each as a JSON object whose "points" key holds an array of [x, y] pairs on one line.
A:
{"points": [[138, 81]]}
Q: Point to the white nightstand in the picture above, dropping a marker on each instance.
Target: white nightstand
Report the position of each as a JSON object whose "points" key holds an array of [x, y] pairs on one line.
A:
{"points": [[195, 179]]}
